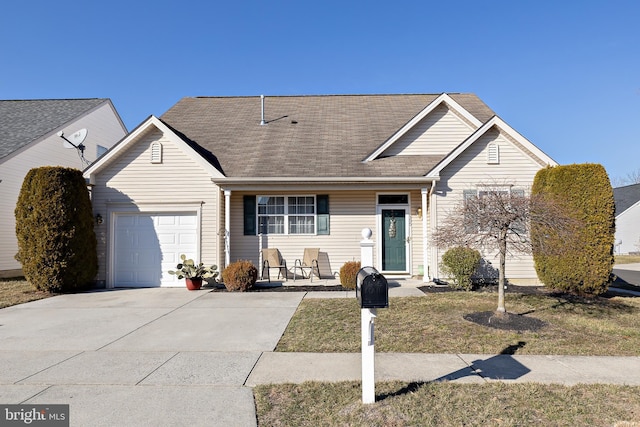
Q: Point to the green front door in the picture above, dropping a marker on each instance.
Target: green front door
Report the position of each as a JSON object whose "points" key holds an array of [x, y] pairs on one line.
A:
{"points": [[394, 241]]}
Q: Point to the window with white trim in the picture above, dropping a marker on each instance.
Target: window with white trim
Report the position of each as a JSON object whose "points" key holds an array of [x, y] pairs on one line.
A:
{"points": [[474, 199], [287, 214]]}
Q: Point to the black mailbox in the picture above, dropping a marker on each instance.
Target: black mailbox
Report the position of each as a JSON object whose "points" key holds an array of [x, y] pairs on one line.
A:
{"points": [[371, 288]]}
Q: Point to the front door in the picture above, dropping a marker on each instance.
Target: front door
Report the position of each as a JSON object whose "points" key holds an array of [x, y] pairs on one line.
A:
{"points": [[394, 240]]}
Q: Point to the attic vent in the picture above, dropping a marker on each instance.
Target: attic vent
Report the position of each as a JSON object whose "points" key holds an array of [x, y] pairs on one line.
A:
{"points": [[493, 154], [156, 152]]}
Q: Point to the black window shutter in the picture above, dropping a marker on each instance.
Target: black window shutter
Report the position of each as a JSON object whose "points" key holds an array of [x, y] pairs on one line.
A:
{"points": [[250, 218], [323, 213]]}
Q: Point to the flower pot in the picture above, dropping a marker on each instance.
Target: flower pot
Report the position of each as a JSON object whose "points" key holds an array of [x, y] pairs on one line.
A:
{"points": [[194, 284]]}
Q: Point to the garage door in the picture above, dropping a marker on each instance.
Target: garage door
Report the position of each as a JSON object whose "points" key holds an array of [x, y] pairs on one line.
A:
{"points": [[146, 246]]}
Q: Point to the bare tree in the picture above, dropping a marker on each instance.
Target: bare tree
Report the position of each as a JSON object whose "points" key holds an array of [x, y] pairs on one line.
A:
{"points": [[498, 217], [629, 179]]}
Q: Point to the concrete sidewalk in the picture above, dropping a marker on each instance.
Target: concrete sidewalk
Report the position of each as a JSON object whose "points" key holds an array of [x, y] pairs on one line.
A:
{"points": [[464, 368], [173, 357]]}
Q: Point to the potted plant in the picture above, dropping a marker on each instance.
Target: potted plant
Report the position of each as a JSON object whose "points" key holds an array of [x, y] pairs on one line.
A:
{"points": [[194, 273]]}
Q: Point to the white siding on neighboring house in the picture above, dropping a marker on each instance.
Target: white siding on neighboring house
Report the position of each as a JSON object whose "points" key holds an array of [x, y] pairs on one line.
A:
{"points": [[104, 129], [438, 133], [628, 230], [469, 170], [133, 182]]}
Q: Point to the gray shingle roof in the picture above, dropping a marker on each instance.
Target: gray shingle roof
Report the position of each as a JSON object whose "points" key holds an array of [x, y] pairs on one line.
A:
{"points": [[23, 121], [625, 197], [307, 136]]}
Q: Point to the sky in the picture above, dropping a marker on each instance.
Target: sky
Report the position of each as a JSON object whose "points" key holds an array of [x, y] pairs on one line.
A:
{"points": [[563, 73]]}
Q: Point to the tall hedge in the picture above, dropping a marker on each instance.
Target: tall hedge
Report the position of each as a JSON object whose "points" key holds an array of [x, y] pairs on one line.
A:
{"points": [[580, 261], [54, 227]]}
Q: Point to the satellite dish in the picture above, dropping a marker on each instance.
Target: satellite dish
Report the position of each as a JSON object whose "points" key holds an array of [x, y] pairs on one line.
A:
{"points": [[75, 139]]}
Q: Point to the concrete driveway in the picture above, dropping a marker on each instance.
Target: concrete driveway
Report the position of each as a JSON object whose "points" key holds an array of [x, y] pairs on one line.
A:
{"points": [[141, 357]]}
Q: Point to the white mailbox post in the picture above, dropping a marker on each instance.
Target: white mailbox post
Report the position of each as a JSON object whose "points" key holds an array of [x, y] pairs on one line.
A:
{"points": [[367, 316]]}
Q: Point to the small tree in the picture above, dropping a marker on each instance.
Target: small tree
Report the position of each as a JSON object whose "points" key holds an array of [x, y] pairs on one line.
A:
{"points": [[54, 228], [497, 217]]}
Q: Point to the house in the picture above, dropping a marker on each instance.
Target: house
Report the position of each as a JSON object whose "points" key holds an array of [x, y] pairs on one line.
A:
{"points": [[29, 138], [219, 178], [627, 200]]}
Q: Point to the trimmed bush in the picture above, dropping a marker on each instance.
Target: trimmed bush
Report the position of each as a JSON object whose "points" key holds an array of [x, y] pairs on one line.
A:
{"points": [[348, 273], [54, 228], [582, 263], [459, 264], [239, 276]]}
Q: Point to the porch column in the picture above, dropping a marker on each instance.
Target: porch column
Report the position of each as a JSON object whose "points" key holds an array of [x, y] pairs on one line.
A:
{"points": [[425, 238], [227, 227]]}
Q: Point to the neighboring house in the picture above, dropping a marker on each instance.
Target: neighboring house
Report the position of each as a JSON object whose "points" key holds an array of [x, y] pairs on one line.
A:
{"points": [[220, 178], [627, 201], [29, 138]]}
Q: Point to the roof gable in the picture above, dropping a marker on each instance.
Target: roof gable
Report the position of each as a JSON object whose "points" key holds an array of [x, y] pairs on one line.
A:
{"points": [[443, 99], [25, 121], [520, 141], [437, 133], [625, 197], [196, 153]]}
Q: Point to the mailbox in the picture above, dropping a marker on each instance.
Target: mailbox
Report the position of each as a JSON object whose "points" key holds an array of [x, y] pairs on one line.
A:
{"points": [[371, 288]]}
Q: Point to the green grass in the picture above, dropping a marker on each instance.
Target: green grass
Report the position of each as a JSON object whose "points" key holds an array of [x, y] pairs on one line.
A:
{"points": [[447, 404], [18, 291], [435, 324]]}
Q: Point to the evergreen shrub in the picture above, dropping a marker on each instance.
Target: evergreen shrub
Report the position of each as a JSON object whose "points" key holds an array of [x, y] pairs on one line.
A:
{"points": [[240, 276], [459, 264], [348, 273], [581, 264], [54, 227]]}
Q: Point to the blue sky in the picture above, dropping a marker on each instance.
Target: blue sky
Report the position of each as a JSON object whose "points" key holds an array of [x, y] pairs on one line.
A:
{"points": [[565, 74]]}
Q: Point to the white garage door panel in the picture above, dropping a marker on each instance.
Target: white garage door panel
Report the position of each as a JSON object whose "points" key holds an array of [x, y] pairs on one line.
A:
{"points": [[149, 245]]}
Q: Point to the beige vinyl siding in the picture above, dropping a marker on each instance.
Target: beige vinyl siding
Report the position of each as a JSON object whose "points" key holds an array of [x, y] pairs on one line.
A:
{"points": [[104, 129], [350, 212], [438, 133], [177, 184], [471, 169]]}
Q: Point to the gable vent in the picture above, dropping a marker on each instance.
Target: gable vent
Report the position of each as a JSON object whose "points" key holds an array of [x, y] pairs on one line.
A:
{"points": [[493, 154], [156, 152]]}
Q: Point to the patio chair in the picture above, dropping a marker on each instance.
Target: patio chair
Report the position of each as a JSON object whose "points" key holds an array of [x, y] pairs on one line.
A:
{"points": [[271, 258], [309, 262]]}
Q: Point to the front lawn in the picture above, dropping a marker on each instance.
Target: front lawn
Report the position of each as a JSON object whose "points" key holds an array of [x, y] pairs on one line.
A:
{"points": [[627, 259], [18, 291], [447, 404], [435, 324]]}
